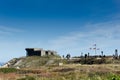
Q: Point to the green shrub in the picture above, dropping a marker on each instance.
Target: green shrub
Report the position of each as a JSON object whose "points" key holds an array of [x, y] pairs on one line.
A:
{"points": [[27, 78], [92, 61], [8, 70], [113, 77]]}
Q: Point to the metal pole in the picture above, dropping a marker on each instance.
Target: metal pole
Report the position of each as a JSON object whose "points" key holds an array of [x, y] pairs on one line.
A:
{"points": [[95, 50]]}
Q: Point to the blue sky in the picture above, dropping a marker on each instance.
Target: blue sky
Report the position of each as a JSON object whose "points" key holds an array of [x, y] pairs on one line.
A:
{"points": [[67, 26]]}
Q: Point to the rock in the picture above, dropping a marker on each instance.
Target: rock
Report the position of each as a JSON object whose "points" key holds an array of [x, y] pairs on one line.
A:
{"points": [[60, 64]]}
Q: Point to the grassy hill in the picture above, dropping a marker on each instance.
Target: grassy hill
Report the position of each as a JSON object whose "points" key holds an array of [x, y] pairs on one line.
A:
{"points": [[34, 61], [46, 68], [65, 72]]}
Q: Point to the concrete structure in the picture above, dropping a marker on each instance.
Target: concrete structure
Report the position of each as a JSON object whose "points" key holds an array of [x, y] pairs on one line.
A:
{"points": [[39, 52]]}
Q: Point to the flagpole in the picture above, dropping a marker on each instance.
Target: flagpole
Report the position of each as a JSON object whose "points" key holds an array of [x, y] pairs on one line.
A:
{"points": [[95, 48]]}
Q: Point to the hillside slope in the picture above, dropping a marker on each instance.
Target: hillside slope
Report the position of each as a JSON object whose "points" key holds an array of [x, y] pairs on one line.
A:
{"points": [[33, 61]]}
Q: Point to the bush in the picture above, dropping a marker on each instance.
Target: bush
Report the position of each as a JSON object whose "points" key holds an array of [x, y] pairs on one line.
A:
{"points": [[114, 77], [27, 78], [8, 70], [92, 61], [87, 61]]}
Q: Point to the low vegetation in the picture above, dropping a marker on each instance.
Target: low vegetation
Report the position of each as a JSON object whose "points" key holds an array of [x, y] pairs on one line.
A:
{"points": [[27, 78], [65, 72], [8, 70], [48, 68]]}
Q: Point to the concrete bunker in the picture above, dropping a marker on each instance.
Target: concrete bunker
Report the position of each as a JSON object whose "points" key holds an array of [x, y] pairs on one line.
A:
{"points": [[39, 52]]}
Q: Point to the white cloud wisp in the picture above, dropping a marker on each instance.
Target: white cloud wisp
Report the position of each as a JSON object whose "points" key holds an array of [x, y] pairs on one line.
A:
{"points": [[105, 35]]}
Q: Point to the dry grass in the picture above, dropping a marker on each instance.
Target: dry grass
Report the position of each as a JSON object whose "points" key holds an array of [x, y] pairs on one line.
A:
{"points": [[67, 72], [9, 76]]}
